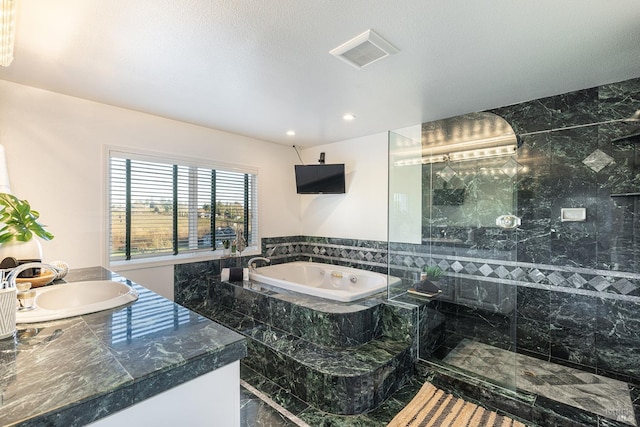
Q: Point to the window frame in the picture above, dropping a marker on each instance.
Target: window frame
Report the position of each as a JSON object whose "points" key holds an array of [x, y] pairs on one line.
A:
{"points": [[183, 256]]}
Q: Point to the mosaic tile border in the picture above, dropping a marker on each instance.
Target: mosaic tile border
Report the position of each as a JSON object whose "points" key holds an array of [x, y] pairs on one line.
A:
{"points": [[372, 257], [577, 280], [410, 259]]}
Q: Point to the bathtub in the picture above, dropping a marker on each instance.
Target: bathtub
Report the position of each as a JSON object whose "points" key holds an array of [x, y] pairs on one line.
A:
{"points": [[321, 280]]}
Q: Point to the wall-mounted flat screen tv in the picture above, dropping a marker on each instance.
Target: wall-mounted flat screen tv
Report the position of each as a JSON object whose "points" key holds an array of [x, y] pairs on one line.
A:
{"points": [[320, 179]]}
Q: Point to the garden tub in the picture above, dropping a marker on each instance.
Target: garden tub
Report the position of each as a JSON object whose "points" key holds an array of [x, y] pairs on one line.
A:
{"points": [[328, 281]]}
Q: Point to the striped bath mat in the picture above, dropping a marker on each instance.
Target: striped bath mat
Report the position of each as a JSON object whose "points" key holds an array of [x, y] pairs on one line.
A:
{"points": [[433, 407]]}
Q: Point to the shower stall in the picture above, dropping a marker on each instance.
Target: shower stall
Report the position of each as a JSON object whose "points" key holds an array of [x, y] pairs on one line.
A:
{"points": [[533, 233], [452, 211]]}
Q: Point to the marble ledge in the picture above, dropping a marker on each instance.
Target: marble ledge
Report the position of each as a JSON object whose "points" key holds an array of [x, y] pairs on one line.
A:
{"points": [[74, 371]]}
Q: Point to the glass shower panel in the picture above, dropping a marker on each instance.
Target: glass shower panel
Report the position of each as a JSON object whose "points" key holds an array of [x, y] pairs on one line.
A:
{"points": [[452, 213]]}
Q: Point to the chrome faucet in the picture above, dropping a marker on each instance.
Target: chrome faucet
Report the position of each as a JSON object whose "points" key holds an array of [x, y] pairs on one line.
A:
{"points": [[13, 274], [252, 262]]}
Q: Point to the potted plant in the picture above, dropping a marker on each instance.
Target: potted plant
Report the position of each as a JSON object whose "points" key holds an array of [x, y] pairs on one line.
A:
{"points": [[431, 273], [226, 244], [18, 225], [428, 279]]}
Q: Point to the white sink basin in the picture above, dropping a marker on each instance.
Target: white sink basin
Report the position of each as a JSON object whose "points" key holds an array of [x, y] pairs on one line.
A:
{"points": [[73, 299]]}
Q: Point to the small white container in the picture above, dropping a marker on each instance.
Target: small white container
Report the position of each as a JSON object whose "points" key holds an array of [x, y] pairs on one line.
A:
{"points": [[8, 309], [26, 296]]}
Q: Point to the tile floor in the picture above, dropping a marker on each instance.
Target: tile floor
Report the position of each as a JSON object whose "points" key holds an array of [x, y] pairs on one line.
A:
{"points": [[265, 404], [583, 390]]}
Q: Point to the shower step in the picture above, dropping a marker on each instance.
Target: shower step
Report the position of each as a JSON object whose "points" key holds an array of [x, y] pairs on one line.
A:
{"points": [[535, 410], [343, 381]]}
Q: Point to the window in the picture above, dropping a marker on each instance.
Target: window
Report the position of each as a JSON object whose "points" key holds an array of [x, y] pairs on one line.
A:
{"points": [[160, 207]]}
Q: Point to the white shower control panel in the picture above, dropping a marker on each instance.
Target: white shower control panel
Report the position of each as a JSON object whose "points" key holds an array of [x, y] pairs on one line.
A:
{"points": [[573, 214]]}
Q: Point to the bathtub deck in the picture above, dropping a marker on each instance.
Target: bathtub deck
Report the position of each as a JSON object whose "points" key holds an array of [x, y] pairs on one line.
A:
{"points": [[340, 357]]}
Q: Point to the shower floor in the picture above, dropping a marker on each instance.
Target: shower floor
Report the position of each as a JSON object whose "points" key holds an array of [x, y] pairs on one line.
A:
{"points": [[594, 393]]}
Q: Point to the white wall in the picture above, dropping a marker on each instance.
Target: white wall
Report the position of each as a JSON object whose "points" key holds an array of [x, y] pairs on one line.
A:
{"points": [[361, 213], [54, 147]]}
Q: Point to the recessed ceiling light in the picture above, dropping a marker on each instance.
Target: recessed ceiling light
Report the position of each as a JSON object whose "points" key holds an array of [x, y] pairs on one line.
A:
{"points": [[348, 117], [291, 132]]}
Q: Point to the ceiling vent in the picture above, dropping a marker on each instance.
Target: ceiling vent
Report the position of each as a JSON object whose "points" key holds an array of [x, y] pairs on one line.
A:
{"points": [[364, 49]]}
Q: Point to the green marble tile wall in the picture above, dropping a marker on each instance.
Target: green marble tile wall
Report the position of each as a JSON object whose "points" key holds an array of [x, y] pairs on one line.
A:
{"points": [[576, 158], [563, 291]]}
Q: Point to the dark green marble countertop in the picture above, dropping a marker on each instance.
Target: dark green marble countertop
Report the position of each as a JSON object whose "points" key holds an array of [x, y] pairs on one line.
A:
{"points": [[74, 371]]}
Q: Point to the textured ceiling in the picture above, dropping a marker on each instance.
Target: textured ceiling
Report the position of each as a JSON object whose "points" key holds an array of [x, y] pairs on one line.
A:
{"points": [[262, 67]]}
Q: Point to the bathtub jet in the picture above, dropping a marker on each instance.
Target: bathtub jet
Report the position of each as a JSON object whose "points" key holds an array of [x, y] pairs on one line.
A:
{"points": [[328, 281]]}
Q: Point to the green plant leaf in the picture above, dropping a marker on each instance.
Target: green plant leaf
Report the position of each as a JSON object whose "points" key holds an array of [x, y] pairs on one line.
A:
{"points": [[433, 272], [20, 221]]}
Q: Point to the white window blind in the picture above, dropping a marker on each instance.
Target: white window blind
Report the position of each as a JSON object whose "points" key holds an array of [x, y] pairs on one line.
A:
{"points": [[160, 208]]}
